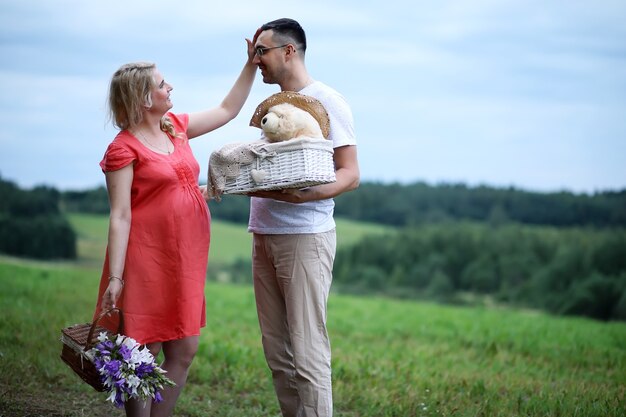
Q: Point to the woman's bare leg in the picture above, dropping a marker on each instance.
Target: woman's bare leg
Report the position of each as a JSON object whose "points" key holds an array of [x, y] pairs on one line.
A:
{"points": [[178, 357]]}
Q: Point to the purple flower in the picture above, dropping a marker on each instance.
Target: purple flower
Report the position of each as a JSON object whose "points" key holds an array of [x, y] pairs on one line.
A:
{"points": [[113, 358], [113, 367], [119, 400], [98, 363], [125, 352], [144, 369], [103, 349], [119, 383]]}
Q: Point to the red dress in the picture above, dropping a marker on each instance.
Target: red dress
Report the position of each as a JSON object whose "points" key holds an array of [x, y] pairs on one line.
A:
{"points": [[168, 246]]}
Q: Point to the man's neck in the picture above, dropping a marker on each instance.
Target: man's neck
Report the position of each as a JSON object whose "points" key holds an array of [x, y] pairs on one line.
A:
{"points": [[297, 83]]}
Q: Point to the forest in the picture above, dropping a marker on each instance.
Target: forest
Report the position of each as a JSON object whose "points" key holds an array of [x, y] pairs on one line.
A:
{"points": [[32, 224], [561, 252], [572, 271], [420, 203]]}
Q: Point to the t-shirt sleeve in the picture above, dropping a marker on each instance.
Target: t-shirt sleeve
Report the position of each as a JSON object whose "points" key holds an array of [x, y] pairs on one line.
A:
{"points": [[117, 156], [341, 121]]}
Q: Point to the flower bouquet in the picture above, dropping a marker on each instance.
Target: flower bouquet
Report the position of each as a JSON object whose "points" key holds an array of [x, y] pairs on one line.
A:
{"points": [[127, 370]]}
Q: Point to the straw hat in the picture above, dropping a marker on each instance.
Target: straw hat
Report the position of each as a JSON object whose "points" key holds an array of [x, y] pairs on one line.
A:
{"points": [[306, 103]]}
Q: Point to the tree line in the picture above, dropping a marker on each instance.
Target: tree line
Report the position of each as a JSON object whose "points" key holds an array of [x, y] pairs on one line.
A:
{"points": [[564, 271], [560, 252], [32, 225], [420, 203], [573, 271]]}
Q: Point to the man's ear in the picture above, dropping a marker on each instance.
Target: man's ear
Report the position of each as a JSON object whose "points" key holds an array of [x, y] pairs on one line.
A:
{"points": [[290, 50]]}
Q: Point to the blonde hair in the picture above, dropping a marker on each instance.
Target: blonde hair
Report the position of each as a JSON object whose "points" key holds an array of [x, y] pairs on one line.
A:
{"points": [[129, 93]]}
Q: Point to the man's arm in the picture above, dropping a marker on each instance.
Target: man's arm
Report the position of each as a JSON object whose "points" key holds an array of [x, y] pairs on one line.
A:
{"points": [[346, 171]]}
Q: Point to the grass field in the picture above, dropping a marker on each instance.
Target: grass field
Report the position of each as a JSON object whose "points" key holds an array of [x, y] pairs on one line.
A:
{"points": [[390, 358], [229, 241]]}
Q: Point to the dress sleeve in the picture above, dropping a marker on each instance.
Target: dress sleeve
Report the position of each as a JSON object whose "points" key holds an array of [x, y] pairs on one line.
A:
{"points": [[180, 122], [116, 157]]}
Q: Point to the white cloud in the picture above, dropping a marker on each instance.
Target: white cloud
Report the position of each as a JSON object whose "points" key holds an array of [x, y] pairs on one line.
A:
{"points": [[523, 92]]}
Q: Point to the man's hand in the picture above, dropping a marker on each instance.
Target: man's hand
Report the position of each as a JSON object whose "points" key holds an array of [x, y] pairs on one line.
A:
{"points": [[346, 171], [291, 195]]}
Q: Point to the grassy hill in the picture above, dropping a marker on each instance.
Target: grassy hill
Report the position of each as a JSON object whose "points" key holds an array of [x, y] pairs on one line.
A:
{"points": [[229, 241], [390, 358]]}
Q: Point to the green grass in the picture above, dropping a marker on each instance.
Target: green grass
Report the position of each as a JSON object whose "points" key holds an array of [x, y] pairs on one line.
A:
{"points": [[92, 232], [390, 358]]}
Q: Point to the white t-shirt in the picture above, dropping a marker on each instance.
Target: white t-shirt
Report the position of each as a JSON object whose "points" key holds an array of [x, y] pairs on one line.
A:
{"points": [[268, 216]]}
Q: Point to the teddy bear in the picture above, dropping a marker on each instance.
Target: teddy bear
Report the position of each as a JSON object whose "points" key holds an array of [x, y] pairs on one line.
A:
{"points": [[285, 121], [282, 116]]}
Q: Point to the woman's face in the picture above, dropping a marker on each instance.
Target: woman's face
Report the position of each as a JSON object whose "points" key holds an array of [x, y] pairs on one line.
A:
{"points": [[161, 93]]}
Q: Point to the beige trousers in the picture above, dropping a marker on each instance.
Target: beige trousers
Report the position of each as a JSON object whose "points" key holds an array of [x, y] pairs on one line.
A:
{"points": [[292, 277]]}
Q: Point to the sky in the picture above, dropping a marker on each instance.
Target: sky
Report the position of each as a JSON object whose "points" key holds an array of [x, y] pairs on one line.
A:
{"points": [[525, 94]]}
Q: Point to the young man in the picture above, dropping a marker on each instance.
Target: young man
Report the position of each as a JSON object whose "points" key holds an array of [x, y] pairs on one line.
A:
{"points": [[294, 239]]}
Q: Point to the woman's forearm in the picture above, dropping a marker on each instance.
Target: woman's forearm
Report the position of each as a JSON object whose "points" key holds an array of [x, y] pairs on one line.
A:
{"points": [[119, 231], [119, 187], [237, 96], [209, 120]]}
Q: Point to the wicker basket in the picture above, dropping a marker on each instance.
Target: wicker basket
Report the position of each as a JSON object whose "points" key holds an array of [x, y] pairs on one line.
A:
{"points": [[297, 163], [78, 340]]}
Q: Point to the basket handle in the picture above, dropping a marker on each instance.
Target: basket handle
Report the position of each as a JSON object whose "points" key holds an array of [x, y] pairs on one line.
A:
{"points": [[95, 323]]}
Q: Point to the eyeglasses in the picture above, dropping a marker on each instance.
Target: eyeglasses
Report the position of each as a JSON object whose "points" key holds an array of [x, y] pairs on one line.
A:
{"points": [[260, 51]]}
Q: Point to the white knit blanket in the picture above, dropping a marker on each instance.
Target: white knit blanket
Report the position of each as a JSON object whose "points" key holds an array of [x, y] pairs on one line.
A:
{"points": [[226, 162]]}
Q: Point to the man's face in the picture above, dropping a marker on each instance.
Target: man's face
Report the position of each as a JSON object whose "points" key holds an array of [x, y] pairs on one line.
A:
{"points": [[270, 61]]}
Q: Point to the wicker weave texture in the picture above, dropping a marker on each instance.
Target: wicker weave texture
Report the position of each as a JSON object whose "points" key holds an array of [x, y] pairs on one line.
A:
{"points": [[76, 347], [282, 166], [74, 340]]}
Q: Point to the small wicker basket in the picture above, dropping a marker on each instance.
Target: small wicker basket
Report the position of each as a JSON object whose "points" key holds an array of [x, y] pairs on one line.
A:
{"points": [[297, 163], [78, 340]]}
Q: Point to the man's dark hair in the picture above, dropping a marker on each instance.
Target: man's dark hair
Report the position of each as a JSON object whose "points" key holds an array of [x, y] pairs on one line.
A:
{"points": [[287, 28]]}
